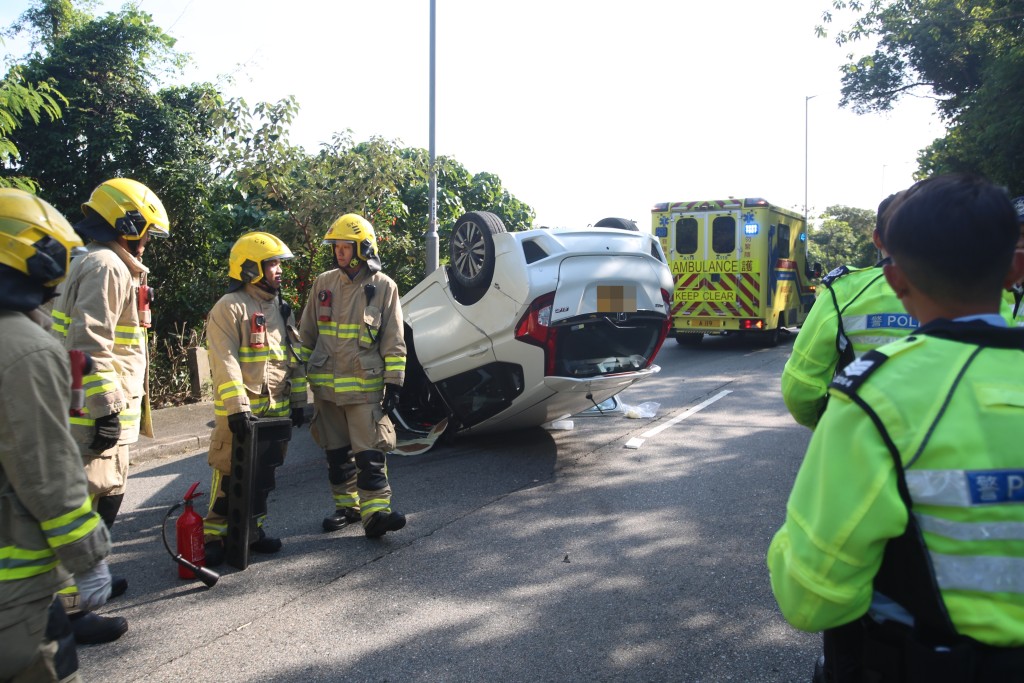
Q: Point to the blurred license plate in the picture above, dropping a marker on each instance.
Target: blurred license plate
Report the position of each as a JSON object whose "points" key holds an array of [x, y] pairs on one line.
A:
{"points": [[616, 299], [704, 322]]}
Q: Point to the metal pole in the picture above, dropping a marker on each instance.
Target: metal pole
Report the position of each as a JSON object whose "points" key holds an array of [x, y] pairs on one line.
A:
{"points": [[807, 99], [432, 248]]}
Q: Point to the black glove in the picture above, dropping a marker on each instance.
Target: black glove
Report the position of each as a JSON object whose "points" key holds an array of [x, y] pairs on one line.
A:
{"points": [[391, 393], [298, 417], [108, 431], [239, 423]]}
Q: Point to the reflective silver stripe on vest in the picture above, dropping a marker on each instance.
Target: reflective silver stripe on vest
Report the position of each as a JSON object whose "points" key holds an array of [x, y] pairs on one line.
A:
{"points": [[984, 574], [971, 531], [939, 487]]}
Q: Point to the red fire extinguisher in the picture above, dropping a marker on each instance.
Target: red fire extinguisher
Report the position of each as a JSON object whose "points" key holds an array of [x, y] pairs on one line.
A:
{"points": [[189, 532], [191, 551]]}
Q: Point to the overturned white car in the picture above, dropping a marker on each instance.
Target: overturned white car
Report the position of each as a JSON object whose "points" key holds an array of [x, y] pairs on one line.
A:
{"points": [[522, 328]]}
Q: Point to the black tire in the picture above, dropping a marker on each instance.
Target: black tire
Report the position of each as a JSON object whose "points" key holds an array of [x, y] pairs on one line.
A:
{"points": [[689, 339], [620, 223], [771, 337], [471, 249]]}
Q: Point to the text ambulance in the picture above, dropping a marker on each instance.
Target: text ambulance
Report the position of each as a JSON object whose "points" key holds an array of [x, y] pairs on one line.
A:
{"points": [[739, 266]]}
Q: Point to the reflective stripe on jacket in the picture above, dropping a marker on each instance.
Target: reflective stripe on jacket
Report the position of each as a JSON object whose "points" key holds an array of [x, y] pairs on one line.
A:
{"points": [[47, 524], [352, 336]]}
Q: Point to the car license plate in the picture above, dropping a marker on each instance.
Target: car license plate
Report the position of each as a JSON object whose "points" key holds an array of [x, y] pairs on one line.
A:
{"points": [[705, 322], [616, 298]]}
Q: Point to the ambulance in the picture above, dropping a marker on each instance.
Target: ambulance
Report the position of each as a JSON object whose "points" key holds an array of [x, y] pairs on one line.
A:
{"points": [[739, 267]]}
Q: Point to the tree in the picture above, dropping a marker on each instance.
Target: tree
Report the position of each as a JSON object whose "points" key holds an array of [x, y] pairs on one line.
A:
{"points": [[844, 238], [19, 100], [966, 54]]}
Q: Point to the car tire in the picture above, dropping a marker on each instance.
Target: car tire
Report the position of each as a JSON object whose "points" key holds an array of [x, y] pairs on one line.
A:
{"points": [[620, 223], [471, 251], [691, 339]]}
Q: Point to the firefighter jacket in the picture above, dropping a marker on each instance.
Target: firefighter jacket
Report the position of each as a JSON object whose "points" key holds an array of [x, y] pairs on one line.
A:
{"points": [[254, 355], [948, 402], [353, 339], [47, 524], [857, 311], [97, 311]]}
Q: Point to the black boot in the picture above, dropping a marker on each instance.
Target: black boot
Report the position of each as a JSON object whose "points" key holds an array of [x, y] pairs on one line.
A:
{"points": [[382, 522], [107, 507], [118, 586], [341, 518], [214, 553], [92, 629], [267, 545]]}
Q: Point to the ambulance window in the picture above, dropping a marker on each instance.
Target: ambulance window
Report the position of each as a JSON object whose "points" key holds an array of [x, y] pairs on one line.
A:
{"points": [[723, 235], [783, 241], [686, 236]]}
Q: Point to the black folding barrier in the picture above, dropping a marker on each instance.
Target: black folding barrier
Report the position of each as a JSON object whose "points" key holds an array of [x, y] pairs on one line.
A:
{"points": [[253, 460]]}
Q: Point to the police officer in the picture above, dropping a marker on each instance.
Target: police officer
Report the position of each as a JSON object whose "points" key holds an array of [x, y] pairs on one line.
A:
{"points": [[856, 312], [254, 355], [903, 535], [103, 310], [353, 340], [47, 525]]}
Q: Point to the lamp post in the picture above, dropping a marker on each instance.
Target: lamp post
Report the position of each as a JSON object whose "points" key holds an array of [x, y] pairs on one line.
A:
{"points": [[807, 100], [432, 249]]}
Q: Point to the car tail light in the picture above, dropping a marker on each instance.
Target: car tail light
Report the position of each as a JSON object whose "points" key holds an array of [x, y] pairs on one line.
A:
{"points": [[666, 296], [751, 324], [535, 328]]}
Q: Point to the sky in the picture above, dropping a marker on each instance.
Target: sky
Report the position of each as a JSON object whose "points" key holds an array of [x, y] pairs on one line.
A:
{"points": [[583, 108]]}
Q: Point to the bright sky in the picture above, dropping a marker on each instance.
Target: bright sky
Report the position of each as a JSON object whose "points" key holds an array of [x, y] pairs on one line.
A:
{"points": [[583, 108]]}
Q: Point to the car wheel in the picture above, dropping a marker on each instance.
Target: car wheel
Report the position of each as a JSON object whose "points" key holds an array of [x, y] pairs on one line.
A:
{"points": [[689, 339], [472, 251], [620, 223]]}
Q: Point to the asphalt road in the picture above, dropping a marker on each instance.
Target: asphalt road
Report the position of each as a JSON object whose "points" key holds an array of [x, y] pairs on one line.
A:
{"points": [[532, 556]]}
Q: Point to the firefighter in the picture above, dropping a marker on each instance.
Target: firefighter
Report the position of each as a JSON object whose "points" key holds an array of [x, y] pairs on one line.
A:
{"points": [[856, 312], [103, 309], [1015, 294], [902, 538], [47, 525], [254, 355], [354, 345]]}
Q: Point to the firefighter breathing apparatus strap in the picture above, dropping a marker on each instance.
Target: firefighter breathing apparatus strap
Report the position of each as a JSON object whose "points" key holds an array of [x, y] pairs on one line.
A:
{"points": [[370, 289], [286, 311]]}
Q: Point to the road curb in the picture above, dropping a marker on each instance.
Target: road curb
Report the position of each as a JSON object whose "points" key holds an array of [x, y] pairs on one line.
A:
{"points": [[161, 448]]}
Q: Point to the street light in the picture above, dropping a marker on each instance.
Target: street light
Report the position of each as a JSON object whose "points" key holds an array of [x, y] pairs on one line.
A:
{"points": [[807, 99], [432, 248]]}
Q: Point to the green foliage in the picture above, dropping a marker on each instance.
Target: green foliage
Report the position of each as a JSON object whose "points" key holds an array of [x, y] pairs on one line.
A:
{"points": [[967, 54], [844, 238], [20, 99]]}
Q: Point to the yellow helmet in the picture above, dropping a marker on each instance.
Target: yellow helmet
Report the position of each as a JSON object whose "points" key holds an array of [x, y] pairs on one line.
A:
{"points": [[130, 208], [250, 251], [35, 239], [354, 228]]}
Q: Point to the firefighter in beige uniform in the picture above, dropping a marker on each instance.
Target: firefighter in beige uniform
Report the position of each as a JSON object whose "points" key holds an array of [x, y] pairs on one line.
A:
{"points": [[354, 344], [103, 310], [47, 525], [254, 356]]}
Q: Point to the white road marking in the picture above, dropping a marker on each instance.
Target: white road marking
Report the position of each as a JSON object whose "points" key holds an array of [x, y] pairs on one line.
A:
{"points": [[637, 442]]}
